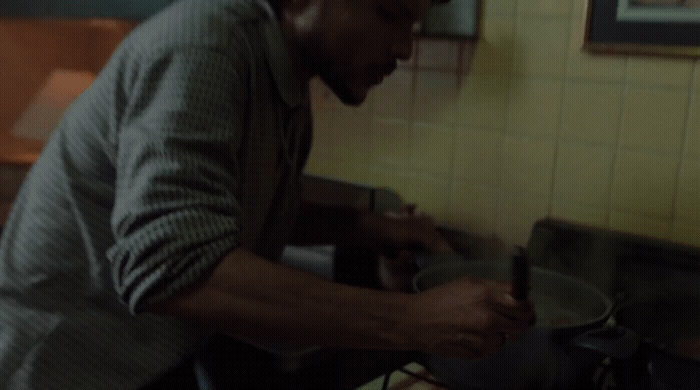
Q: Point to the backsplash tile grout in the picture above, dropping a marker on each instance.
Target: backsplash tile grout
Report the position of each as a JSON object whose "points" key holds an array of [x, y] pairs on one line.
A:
{"points": [[613, 168], [493, 107], [692, 96]]}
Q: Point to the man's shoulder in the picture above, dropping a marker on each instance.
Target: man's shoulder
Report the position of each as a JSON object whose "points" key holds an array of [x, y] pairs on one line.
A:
{"points": [[216, 24]]}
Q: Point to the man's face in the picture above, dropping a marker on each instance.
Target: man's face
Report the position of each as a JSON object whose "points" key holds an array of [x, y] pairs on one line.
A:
{"points": [[356, 43]]}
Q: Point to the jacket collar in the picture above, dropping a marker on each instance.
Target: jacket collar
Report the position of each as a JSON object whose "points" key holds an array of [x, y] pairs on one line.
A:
{"points": [[289, 83]]}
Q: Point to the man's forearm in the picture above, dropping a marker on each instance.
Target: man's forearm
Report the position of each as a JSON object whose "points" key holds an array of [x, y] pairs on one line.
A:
{"points": [[258, 300]]}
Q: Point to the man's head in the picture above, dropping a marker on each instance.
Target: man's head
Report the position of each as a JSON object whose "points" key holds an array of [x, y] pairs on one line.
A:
{"points": [[351, 44]]}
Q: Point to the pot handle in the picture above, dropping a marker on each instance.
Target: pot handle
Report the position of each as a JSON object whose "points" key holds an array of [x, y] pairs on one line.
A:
{"points": [[615, 341]]}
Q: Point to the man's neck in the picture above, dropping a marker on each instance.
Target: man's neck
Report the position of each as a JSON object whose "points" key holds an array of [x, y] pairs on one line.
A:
{"points": [[295, 25]]}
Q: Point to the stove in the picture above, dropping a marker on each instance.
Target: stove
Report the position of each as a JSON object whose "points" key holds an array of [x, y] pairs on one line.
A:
{"points": [[656, 284]]}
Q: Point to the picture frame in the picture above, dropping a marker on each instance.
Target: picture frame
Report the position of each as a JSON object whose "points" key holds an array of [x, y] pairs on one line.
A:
{"points": [[645, 27]]}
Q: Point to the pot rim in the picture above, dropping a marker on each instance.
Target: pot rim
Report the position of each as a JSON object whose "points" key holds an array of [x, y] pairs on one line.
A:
{"points": [[597, 321]]}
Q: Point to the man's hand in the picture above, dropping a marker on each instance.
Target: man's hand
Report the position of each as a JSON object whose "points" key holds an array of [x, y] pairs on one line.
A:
{"points": [[396, 273], [468, 318], [410, 228], [404, 232]]}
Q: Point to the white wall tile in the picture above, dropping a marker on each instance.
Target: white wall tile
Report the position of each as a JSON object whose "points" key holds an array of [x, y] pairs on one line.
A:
{"points": [[583, 174], [659, 71], [528, 165], [478, 156], [545, 7], [692, 132], [438, 54], [654, 119], [542, 46], [517, 213], [591, 112], [494, 51], [483, 100], [496, 8], [686, 233], [431, 149], [352, 144], [391, 142], [535, 106], [436, 96], [644, 183], [688, 198], [473, 207], [641, 224], [431, 194], [581, 213], [394, 97]]}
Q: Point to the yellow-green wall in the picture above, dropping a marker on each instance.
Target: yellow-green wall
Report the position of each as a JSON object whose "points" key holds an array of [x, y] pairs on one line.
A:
{"points": [[526, 126]]}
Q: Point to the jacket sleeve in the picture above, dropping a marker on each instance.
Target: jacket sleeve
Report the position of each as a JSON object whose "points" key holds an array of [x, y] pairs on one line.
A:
{"points": [[175, 215]]}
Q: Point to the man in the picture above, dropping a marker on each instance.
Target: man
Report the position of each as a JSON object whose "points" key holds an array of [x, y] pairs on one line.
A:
{"points": [[157, 211]]}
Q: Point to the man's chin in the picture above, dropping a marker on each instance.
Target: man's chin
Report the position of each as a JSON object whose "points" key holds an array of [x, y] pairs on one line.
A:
{"points": [[349, 96]]}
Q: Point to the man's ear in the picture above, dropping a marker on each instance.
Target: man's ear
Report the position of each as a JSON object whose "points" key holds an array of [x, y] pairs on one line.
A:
{"points": [[303, 14]]}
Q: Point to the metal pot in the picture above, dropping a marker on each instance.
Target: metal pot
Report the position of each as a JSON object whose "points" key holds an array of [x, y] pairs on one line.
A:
{"points": [[561, 351]]}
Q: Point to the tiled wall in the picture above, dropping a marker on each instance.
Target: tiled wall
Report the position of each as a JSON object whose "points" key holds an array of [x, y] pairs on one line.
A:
{"points": [[527, 126]]}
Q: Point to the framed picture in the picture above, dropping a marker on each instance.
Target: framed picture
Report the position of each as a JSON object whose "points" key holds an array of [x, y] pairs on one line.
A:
{"points": [[653, 27]]}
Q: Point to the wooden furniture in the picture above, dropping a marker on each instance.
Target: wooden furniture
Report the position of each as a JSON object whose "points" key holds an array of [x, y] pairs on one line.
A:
{"points": [[30, 49]]}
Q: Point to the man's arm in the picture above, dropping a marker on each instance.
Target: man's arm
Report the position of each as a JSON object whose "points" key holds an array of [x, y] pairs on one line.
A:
{"points": [[265, 302], [254, 299]]}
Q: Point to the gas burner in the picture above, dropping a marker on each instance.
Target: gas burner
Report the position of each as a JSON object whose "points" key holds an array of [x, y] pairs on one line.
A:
{"points": [[659, 285]]}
